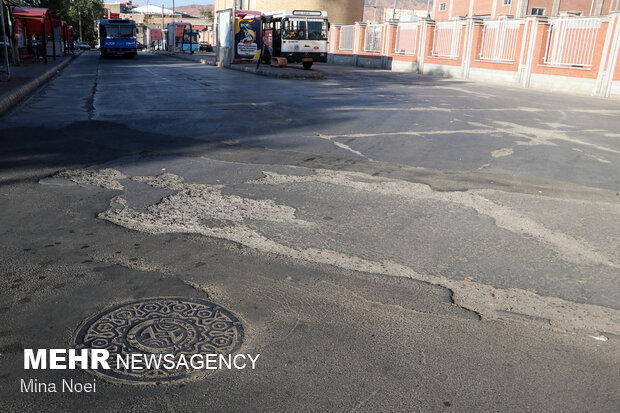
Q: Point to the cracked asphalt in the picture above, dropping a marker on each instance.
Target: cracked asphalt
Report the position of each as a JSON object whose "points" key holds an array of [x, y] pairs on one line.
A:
{"points": [[390, 242]]}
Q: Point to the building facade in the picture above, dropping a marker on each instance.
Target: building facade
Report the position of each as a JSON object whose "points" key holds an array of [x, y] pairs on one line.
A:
{"points": [[448, 9], [339, 11]]}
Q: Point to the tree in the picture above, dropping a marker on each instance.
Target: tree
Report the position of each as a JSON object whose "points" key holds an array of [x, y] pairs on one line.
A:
{"points": [[206, 14]]}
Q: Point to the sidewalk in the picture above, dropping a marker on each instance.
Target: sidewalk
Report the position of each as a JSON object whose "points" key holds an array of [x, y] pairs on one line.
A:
{"points": [[290, 72], [27, 77]]}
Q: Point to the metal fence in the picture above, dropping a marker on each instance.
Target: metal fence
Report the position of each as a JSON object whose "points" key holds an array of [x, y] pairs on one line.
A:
{"points": [[499, 40], [372, 40], [406, 39], [347, 34], [446, 39], [571, 41]]}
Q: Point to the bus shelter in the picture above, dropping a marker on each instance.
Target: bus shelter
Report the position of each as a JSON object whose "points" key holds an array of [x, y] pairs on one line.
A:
{"points": [[37, 26], [61, 40], [182, 37], [156, 35]]}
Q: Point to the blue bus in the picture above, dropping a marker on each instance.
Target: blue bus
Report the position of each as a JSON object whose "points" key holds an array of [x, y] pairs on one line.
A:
{"points": [[118, 38]]}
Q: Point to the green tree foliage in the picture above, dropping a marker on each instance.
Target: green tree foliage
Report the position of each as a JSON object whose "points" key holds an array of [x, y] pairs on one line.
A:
{"points": [[206, 14], [72, 11]]}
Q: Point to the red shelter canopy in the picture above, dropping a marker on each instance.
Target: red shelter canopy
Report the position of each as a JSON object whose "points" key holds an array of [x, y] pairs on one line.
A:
{"points": [[156, 34], [33, 17]]}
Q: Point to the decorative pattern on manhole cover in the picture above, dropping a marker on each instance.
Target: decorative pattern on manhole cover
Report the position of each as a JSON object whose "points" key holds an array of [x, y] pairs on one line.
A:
{"points": [[160, 326]]}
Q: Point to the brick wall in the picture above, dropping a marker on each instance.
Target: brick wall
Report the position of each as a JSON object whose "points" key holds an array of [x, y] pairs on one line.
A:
{"points": [[592, 68]]}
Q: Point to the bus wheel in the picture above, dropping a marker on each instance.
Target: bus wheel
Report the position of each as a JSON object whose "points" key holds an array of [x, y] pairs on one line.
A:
{"points": [[307, 65]]}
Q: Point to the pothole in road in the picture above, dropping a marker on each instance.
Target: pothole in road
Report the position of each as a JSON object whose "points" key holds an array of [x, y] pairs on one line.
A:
{"points": [[160, 329]]}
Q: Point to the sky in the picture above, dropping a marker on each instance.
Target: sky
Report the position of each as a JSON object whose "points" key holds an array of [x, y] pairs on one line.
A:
{"points": [[168, 3]]}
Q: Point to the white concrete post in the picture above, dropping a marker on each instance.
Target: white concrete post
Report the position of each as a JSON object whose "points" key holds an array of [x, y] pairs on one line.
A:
{"points": [[521, 10], [334, 29], [468, 45], [526, 69], [385, 47], [614, 51], [555, 10], [332, 39], [602, 73], [598, 8], [527, 26], [357, 32], [423, 27]]}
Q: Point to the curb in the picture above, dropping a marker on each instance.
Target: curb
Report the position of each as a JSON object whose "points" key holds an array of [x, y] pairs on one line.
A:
{"points": [[15, 97], [268, 73], [247, 69]]}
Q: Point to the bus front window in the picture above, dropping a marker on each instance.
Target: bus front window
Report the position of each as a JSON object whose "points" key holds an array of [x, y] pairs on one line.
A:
{"points": [[110, 32], [193, 38], [294, 29], [119, 32], [317, 29], [126, 32]]}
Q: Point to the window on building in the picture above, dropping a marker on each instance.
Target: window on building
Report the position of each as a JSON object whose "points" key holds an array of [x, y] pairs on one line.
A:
{"points": [[442, 6], [507, 2], [538, 11]]}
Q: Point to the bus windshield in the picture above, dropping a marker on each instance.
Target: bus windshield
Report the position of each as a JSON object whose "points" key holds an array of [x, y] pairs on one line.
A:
{"points": [[118, 31], [294, 29], [190, 37], [304, 29], [317, 29]]}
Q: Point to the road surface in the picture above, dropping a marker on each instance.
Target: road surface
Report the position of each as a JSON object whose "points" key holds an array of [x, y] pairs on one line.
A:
{"points": [[389, 242]]}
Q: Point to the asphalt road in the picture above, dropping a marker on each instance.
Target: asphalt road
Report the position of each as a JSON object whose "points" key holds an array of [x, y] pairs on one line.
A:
{"points": [[389, 242]]}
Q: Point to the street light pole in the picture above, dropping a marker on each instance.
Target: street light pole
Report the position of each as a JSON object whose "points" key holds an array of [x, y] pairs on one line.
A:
{"points": [[394, 10], [80, 23]]}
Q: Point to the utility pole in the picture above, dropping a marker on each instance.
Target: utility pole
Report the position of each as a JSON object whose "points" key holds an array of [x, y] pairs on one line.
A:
{"points": [[80, 23], [162, 28], [428, 9], [5, 37], [394, 10]]}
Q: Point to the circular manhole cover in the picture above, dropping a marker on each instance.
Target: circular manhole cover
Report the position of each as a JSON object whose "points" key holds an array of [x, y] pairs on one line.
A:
{"points": [[160, 326]]}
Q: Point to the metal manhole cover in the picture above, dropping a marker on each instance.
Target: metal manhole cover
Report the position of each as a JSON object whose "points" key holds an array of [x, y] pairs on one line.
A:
{"points": [[160, 326]]}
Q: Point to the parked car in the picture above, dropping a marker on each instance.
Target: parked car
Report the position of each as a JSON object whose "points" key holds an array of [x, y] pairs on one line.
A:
{"points": [[205, 47], [82, 46]]}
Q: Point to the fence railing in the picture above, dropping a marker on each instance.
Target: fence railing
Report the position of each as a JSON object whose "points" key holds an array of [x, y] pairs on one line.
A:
{"points": [[406, 39], [571, 41], [499, 40], [372, 41], [347, 36], [446, 40]]}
